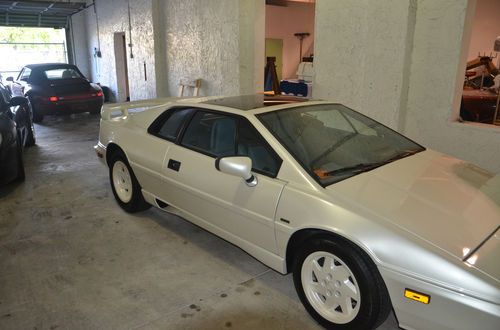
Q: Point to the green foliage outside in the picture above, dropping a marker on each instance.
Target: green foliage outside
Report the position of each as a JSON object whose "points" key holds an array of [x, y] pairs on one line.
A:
{"points": [[43, 45], [35, 35]]}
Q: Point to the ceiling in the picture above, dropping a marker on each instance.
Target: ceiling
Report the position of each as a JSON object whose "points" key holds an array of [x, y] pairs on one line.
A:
{"points": [[38, 13]]}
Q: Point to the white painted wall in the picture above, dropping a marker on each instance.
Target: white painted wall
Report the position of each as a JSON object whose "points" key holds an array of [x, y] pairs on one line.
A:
{"points": [[402, 62], [216, 41], [436, 80], [362, 50], [399, 61], [113, 17]]}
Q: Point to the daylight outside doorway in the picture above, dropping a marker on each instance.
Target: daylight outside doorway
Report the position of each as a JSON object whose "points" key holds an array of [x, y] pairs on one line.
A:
{"points": [[20, 46]]}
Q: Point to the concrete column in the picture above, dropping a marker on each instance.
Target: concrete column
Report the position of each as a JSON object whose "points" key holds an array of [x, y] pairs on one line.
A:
{"points": [[442, 36], [160, 48], [362, 51], [251, 46]]}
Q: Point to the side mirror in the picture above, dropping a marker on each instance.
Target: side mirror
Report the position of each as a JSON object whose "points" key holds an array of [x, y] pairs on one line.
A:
{"points": [[18, 100], [239, 166], [10, 79]]}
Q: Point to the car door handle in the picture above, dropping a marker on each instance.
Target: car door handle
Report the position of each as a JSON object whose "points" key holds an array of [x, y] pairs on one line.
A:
{"points": [[174, 165]]}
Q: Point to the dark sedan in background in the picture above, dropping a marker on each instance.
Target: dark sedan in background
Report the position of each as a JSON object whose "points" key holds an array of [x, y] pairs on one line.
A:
{"points": [[57, 88], [16, 132]]}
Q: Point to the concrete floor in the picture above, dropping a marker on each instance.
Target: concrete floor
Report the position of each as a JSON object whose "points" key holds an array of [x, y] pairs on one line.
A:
{"points": [[70, 258]]}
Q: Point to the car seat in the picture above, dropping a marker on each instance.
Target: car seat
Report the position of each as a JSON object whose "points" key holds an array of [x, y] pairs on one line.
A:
{"points": [[222, 139], [67, 74]]}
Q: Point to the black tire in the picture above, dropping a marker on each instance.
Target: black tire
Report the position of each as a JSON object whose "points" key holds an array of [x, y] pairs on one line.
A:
{"points": [[21, 175], [30, 139], [37, 117], [128, 196], [369, 301]]}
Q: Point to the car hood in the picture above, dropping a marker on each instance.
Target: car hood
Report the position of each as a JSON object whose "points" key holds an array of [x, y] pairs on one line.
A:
{"points": [[447, 202]]}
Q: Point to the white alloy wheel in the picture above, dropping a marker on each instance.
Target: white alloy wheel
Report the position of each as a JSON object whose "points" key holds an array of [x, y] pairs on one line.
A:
{"points": [[122, 181], [330, 287]]}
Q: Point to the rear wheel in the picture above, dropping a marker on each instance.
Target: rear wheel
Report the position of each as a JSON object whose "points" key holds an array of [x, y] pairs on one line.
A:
{"points": [[125, 186], [339, 285]]}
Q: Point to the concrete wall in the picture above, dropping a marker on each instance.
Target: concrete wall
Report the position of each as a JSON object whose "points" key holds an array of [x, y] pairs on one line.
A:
{"points": [[402, 62], [399, 61], [438, 63], [282, 23], [486, 28], [112, 16], [216, 41], [362, 51], [220, 42]]}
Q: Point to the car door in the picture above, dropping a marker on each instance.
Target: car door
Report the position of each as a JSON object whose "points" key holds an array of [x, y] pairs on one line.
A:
{"points": [[222, 201]]}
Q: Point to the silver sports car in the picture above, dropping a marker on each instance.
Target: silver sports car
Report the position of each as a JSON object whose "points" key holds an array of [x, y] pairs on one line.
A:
{"points": [[366, 219]]}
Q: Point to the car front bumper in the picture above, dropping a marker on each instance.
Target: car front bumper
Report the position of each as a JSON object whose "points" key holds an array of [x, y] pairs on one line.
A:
{"points": [[447, 309]]}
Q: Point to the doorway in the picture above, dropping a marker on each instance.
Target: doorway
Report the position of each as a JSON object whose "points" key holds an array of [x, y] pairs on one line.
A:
{"points": [[274, 48], [289, 33], [122, 82]]}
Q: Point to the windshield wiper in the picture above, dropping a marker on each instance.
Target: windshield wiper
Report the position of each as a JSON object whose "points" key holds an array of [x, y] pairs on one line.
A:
{"points": [[358, 168], [365, 167]]}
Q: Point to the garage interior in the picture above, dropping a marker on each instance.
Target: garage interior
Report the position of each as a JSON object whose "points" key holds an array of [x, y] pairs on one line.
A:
{"points": [[71, 258]]}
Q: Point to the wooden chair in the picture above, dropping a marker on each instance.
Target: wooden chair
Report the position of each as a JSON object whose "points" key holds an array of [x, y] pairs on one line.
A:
{"points": [[187, 83]]}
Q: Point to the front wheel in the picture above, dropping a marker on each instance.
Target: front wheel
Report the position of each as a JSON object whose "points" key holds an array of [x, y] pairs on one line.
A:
{"points": [[21, 176], [125, 186], [37, 117], [339, 285]]}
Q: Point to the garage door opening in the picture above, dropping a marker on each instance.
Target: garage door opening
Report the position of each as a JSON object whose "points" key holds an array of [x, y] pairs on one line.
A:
{"points": [[20, 46]]}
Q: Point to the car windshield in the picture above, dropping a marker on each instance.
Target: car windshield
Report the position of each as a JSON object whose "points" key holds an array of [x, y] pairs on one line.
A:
{"points": [[333, 142], [62, 73]]}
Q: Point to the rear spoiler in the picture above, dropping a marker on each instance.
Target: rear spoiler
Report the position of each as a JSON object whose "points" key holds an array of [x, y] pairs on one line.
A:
{"points": [[122, 110]]}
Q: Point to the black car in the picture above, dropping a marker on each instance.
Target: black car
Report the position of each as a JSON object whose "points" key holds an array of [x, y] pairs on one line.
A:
{"points": [[57, 88], [16, 132]]}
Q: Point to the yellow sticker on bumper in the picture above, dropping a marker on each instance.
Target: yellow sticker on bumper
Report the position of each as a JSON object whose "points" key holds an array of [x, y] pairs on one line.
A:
{"points": [[417, 296]]}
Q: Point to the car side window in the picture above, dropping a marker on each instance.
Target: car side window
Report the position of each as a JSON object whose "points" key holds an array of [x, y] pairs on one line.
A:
{"points": [[221, 135], [252, 144], [172, 125], [25, 75], [211, 133]]}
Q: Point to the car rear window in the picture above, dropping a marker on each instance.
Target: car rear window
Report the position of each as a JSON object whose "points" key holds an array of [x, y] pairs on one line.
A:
{"points": [[62, 73]]}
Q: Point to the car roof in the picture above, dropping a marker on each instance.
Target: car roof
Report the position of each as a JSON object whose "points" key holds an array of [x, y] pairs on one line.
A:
{"points": [[253, 101], [49, 65]]}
